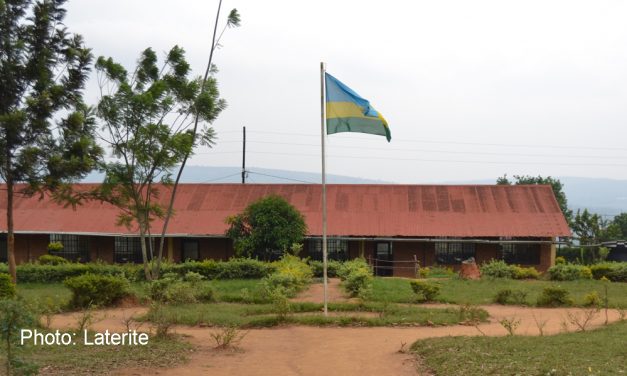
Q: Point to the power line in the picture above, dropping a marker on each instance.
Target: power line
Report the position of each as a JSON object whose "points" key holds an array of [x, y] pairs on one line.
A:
{"points": [[220, 178], [440, 151], [443, 160], [284, 178], [458, 142]]}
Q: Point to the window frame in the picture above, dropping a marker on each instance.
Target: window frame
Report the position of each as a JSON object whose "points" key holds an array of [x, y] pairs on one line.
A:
{"points": [[453, 253], [515, 249], [334, 249], [75, 247]]}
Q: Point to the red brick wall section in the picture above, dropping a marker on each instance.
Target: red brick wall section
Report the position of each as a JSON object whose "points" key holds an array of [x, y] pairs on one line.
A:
{"points": [[29, 247]]}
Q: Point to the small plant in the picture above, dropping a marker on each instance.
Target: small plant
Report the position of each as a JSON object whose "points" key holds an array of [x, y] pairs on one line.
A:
{"points": [[358, 283], [403, 348], [569, 272], [520, 272], [193, 278], [160, 320], [55, 247], [425, 291], [14, 316], [48, 308], [509, 296], [7, 287], [510, 325], [280, 302], [205, 294], [228, 337], [86, 318], [554, 297], [540, 325], [559, 260], [471, 314], [582, 320], [592, 299], [52, 259]]}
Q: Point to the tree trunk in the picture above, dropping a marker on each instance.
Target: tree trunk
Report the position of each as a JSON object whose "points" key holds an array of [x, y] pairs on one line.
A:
{"points": [[142, 242], [10, 231]]}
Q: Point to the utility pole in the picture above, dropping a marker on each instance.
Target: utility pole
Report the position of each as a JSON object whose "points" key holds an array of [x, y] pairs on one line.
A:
{"points": [[244, 156]]}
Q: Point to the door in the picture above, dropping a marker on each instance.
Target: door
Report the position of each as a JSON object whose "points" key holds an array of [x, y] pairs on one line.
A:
{"points": [[383, 256], [190, 250]]}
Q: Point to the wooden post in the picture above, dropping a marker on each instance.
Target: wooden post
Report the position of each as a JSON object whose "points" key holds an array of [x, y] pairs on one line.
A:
{"points": [[416, 267]]}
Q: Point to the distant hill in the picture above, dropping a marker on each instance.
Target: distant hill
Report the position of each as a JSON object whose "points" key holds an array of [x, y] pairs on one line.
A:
{"points": [[602, 196], [210, 174]]}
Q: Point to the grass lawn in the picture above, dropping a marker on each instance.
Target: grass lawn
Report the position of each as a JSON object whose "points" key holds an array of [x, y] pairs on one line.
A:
{"points": [[342, 314], [234, 290], [455, 290], [599, 352], [100, 360]]}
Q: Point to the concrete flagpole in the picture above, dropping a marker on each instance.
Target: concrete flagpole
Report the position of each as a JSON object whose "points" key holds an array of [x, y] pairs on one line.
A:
{"points": [[324, 184]]}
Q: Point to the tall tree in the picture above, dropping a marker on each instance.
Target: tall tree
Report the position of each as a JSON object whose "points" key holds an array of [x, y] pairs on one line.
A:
{"points": [[148, 123], [556, 184], [266, 228], [233, 20], [621, 222], [46, 131]]}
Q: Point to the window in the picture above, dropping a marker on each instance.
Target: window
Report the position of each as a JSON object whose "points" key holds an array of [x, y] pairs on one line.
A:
{"points": [[453, 253], [336, 249], [520, 253], [190, 250], [3, 248], [127, 249], [75, 247]]}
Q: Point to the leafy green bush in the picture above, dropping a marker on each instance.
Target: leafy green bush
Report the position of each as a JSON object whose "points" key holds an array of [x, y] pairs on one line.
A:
{"points": [[52, 260], [569, 272], [509, 296], [497, 269], [170, 289], [592, 299], [292, 275], [358, 283], [356, 276], [7, 287], [96, 290], [332, 267], [560, 260], [55, 247], [554, 297], [425, 291], [520, 272], [614, 271]]}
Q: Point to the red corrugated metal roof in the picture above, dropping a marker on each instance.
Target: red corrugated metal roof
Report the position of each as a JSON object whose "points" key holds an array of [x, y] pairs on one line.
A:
{"points": [[353, 210]]}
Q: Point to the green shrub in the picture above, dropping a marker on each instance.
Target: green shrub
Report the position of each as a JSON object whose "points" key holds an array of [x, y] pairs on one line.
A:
{"points": [[348, 267], [7, 287], [292, 275], [179, 292], [592, 299], [96, 290], [441, 271], [55, 247], [497, 269], [52, 260], [332, 267], [509, 296], [614, 271], [193, 278], [569, 272], [554, 297], [520, 272], [425, 291], [205, 294], [169, 289], [356, 276], [358, 283], [560, 260]]}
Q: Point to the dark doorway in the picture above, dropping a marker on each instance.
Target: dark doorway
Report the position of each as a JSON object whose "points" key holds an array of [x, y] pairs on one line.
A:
{"points": [[190, 250], [383, 259]]}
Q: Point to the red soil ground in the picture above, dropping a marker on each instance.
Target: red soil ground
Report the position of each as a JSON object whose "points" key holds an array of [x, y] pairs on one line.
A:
{"points": [[299, 350]]}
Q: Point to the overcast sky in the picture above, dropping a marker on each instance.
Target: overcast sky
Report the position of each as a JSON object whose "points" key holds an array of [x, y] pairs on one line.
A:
{"points": [[471, 89]]}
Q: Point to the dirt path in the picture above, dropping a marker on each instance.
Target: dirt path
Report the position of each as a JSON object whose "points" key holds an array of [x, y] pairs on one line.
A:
{"points": [[299, 350], [315, 293]]}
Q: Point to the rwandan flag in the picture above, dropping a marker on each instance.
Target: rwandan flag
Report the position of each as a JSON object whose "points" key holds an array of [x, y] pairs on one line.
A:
{"points": [[349, 112]]}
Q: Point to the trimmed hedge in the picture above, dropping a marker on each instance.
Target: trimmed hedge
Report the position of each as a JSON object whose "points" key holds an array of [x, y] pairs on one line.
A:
{"points": [[614, 271], [96, 290], [7, 288], [332, 267], [569, 272], [500, 269], [236, 268]]}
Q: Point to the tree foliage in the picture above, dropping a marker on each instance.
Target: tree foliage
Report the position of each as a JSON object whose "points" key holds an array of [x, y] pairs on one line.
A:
{"points": [[46, 131], [146, 121], [266, 228], [556, 184]]}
